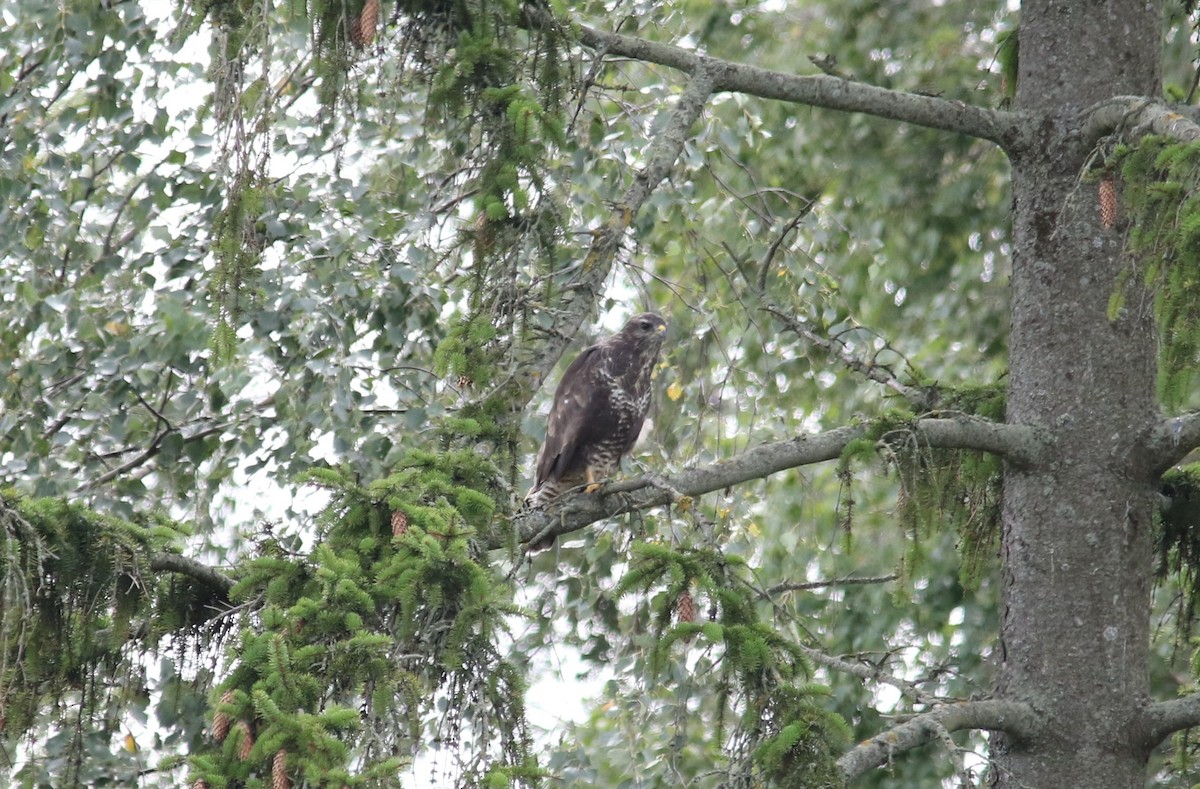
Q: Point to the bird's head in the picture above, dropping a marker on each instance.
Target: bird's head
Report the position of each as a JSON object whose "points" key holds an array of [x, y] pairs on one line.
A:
{"points": [[648, 326]]}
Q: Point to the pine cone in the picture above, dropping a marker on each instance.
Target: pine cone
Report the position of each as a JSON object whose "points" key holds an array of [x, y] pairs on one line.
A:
{"points": [[279, 778], [362, 30], [221, 721], [1108, 202], [685, 610], [247, 741], [685, 607], [399, 523]]}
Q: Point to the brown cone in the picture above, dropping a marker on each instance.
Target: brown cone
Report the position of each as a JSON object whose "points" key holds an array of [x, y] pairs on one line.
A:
{"points": [[247, 741], [362, 30], [279, 777], [1108, 202], [685, 610], [222, 721]]}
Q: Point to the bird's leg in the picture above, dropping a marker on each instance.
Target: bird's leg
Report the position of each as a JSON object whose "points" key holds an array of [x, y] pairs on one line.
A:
{"points": [[592, 485]]}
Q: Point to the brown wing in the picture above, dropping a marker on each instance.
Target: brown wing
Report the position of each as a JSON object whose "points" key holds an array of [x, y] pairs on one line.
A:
{"points": [[568, 423]]}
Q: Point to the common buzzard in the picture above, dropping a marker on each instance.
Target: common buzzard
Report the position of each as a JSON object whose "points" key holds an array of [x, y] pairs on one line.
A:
{"points": [[598, 409]]}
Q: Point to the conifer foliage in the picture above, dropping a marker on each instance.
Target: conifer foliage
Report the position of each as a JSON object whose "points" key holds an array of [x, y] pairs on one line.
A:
{"points": [[284, 286]]}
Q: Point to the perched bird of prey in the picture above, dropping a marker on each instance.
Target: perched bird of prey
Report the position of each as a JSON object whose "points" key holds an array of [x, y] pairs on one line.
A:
{"points": [[598, 409]]}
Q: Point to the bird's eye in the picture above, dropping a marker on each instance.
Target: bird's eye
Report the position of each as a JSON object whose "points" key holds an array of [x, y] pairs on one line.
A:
{"points": [[646, 325]]}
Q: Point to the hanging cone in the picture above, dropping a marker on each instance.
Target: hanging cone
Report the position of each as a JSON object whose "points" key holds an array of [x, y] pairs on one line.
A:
{"points": [[247, 741], [685, 610], [362, 30], [1108, 202], [279, 777], [222, 721]]}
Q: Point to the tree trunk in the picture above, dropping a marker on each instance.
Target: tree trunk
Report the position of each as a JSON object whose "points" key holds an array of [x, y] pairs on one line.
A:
{"points": [[1077, 529]]}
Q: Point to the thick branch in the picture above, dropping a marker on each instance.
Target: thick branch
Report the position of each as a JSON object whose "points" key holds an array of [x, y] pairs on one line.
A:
{"points": [[1141, 116], [1018, 444], [175, 563], [579, 297], [1172, 439], [820, 90], [1015, 718], [1164, 718]]}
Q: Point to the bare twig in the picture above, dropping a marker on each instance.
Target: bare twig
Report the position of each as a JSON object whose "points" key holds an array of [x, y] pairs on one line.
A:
{"points": [[869, 370], [792, 586], [146, 455], [778, 242], [870, 673]]}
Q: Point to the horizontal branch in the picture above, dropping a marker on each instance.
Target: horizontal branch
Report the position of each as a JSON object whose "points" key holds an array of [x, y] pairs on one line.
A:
{"points": [[1014, 718], [850, 580], [1164, 718], [1018, 444], [164, 562], [819, 90], [1172, 439], [1140, 117], [176, 563]]}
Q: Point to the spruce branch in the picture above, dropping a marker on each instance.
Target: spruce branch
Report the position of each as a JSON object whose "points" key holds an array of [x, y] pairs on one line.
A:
{"points": [[177, 563], [819, 90], [1019, 444], [1172, 439], [1164, 718], [1015, 718], [1139, 117]]}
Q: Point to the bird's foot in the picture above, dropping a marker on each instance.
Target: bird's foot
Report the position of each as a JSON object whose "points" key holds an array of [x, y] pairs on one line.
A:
{"points": [[593, 487]]}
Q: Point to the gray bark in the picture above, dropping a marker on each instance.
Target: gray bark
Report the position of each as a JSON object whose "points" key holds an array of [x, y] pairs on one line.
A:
{"points": [[573, 511], [1077, 528], [994, 714]]}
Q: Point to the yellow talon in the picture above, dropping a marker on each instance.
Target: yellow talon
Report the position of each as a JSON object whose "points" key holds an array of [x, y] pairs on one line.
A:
{"points": [[593, 487]]}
